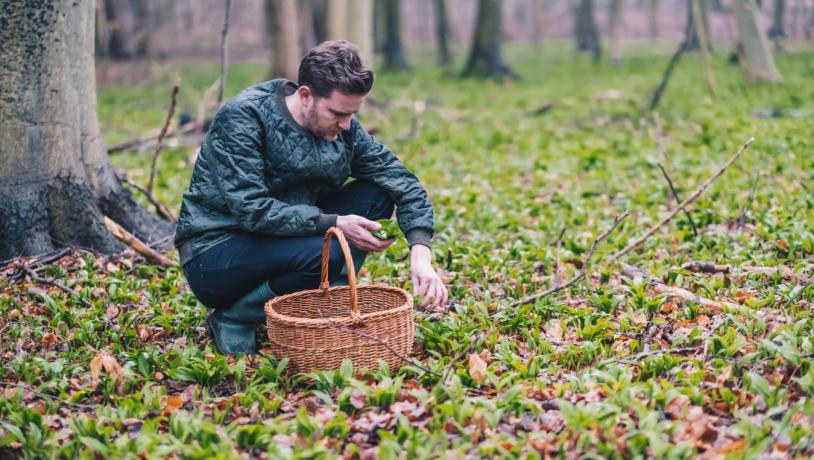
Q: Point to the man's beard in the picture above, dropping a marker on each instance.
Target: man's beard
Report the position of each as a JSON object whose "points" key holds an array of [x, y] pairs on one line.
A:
{"points": [[312, 124]]}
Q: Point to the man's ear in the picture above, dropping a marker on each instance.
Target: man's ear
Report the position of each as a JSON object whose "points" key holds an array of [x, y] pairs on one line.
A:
{"points": [[306, 96]]}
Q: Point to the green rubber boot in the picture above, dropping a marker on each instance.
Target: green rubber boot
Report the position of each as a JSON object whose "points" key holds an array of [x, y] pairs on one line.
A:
{"points": [[234, 328]]}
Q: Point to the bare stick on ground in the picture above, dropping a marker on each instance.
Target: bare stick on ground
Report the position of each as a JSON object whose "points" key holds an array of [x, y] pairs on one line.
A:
{"points": [[678, 200], [160, 207], [659, 287], [580, 274], [35, 277], [705, 267], [163, 133], [647, 234], [224, 51], [137, 245]]}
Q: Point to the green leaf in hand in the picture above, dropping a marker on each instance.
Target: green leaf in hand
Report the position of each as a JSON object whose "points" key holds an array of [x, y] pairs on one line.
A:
{"points": [[390, 229]]}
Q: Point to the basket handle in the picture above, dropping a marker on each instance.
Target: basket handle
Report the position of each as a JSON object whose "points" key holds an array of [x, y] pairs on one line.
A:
{"points": [[326, 256]]}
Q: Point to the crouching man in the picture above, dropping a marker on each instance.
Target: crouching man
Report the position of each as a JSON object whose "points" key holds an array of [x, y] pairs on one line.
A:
{"points": [[271, 178]]}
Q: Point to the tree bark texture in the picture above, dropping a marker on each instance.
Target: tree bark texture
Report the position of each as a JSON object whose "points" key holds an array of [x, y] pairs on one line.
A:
{"points": [[586, 33], [284, 38], [485, 58], [755, 55], [56, 182], [394, 58], [442, 32]]}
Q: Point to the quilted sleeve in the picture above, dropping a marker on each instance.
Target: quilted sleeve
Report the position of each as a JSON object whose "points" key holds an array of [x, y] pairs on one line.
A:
{"points": [[236, 143], [375, 162]]}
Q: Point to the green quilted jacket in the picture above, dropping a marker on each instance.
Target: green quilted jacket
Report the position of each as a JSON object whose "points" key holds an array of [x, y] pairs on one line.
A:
{"points": [[259, 171]]}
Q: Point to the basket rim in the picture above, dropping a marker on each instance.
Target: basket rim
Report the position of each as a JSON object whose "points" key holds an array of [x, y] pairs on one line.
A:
{"points": [[272, 315]]}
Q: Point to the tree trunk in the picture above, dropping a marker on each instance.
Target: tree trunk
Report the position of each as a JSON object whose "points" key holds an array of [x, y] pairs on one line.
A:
{"points": [[442, 33], [693, 42], [754, 52], [129, 26], [284, 38], [586, 33], [337, 19], [778, 29], [485, 58], [360, 27], [614, 22], [56, 181], [393, 50], [653, 18]]}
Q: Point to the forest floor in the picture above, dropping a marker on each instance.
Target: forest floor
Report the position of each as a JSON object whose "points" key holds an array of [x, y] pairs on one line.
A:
{"points": [[524, 175]]}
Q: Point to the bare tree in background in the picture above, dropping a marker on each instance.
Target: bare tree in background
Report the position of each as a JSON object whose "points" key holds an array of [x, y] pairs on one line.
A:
{"points": [[653, 18], [586, 33], [485, 58], [442, 33], [693, 43], [393, 49], [284, 38], [128, 25], [56, 181], [754, 53], [614, 22], [778, 30], [360, 27]]}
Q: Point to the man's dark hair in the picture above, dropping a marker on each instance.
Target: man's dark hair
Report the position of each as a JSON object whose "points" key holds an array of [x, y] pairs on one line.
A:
{"points": [[335, 65]]}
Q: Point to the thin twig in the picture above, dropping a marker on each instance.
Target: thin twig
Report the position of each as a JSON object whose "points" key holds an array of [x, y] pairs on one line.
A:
{"points": [[224, 51], [161, 135], [644, 354], [406, 359], [135, 144], [52, 282], [556, 275], [748, 205], [52, 397], [678, 200], [580, 274], [160, 207], [687, 201]]}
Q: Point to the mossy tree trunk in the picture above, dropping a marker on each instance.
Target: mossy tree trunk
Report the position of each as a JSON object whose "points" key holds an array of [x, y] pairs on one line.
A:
{"points": [[754, 52], [284, 38], [56, 181], [586, 33]]}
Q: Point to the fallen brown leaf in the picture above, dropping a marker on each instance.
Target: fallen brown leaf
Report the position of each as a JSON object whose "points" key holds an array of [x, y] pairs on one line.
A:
{"points": [[477, 368]]}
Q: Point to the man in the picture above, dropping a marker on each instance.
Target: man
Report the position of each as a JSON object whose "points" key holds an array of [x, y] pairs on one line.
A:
{"points": [[271, 178]]}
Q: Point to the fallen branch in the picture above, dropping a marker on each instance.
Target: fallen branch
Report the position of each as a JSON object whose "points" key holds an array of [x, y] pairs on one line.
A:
{"points": [[580, 274], [186, 128], [160, 207], [647, 234], [644, 354], [673, 291], [161, 135], [678, 200], [52, 397], [135, 243], [785, 272], [35, 277], [693, 196]]}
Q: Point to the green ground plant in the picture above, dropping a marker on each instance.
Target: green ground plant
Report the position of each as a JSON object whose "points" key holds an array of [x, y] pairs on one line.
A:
{"points": [[607, 368]]}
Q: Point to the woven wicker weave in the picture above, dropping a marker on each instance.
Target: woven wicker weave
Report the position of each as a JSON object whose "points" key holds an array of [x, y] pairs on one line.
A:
{"points": [[317, 329]]}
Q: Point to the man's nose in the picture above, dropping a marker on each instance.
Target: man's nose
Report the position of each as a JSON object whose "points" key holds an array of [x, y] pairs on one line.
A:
{"points": [[344, 123]]}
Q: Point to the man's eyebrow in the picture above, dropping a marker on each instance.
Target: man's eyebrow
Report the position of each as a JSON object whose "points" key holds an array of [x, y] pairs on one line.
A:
{"points": [[336, 112]]}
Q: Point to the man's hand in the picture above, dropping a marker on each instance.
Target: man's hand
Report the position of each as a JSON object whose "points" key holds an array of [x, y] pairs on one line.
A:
{"points": [[357, 231], [426, 282]]}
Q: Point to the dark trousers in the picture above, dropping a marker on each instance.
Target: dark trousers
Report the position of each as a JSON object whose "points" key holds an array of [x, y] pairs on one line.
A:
{"points": [[226, 272]]}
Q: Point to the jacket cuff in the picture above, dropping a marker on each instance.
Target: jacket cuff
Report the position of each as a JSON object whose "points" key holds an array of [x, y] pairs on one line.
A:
{"points": [[325, 221], [418, 236]]}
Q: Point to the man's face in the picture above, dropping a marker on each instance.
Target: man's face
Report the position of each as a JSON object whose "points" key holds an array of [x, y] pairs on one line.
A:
{"points": [[326, 117]]}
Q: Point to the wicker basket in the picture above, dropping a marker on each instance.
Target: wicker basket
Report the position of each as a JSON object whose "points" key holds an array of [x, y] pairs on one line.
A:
{"points": [[317, 329]]}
